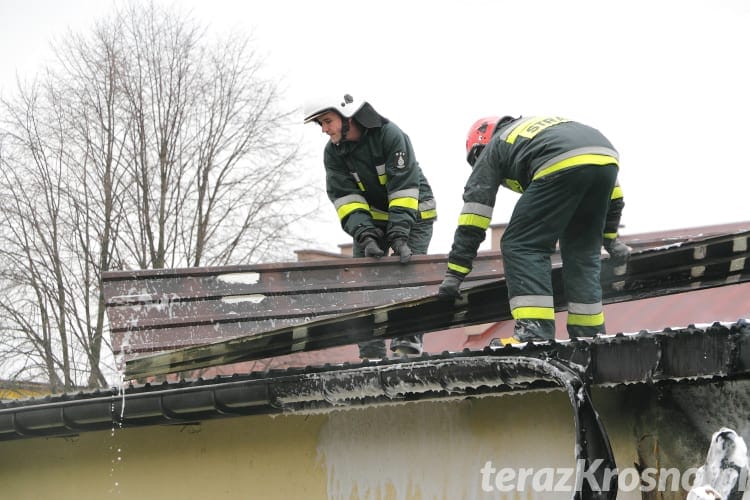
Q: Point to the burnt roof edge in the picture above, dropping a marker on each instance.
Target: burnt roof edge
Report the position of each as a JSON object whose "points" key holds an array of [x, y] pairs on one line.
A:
{"points": [[717, 351]]}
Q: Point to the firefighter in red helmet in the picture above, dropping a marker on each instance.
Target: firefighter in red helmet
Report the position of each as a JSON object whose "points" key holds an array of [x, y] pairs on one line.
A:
{"points": [[566, 173]]}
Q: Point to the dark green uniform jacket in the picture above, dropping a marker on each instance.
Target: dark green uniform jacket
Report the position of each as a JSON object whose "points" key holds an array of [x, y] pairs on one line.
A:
{"points": [[513, 160], [377, 182]]}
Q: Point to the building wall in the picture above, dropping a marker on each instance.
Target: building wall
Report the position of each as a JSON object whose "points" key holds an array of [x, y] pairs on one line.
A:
{"points": [[405, 451]]}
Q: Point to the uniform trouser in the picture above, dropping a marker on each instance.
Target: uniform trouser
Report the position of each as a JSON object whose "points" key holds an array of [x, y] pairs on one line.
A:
{"points": [[569, 207], [419, 241]]}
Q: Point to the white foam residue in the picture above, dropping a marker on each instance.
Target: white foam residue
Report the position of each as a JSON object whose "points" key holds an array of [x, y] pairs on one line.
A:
{"points": [[391, 449], [366, 389], [726, 464], [140, 297], [415, 387], [256, 298], [165, 303], [703, 493], [242, 278], [666, 247]]}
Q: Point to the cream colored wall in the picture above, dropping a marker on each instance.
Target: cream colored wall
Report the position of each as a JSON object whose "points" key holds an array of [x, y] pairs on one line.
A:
{"points": [[239, 458], [416, 450]]}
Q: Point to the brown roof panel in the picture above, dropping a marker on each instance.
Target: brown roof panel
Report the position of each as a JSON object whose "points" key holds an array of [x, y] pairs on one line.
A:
{"points": [[651, 272]]}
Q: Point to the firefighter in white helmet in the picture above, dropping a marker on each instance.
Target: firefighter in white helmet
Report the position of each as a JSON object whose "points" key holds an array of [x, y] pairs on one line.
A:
{"points": [[380, 193]]}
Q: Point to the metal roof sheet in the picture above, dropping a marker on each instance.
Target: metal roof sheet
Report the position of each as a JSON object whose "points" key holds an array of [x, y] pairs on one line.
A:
{"points": [[715, 352]]}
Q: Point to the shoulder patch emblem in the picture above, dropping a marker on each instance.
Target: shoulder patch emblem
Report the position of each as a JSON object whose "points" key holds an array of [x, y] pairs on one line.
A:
{"points": [[400, 159]]}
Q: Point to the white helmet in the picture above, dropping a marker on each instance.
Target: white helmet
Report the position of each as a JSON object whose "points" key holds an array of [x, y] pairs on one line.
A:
{"points": [[345, 105]]}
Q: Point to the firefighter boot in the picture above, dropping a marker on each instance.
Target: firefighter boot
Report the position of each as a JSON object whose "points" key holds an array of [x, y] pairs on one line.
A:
{"points": [[404, 347], [577, 331], [372, 350], [538, 330], [526, 330]]}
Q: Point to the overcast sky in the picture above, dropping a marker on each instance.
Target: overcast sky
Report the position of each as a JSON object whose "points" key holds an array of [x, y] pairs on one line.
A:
{"points": [[666, 81]]}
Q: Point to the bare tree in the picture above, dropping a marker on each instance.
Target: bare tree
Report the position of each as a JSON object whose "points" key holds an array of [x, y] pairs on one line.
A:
{"points": [[146, 145], [212, 163], [34, 260]]}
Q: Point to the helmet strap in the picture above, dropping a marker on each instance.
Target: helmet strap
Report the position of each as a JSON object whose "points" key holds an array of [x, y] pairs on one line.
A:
{"points": [[344, 127], [474, 153]]}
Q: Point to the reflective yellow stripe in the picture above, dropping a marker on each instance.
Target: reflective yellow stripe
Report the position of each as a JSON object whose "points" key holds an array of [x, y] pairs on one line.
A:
{"points": [[345, 210], [457, 268], [412, 203], [531, 127], [610, 236], [616, 193], [533, 313], [383, 179], [517, 130], [574, 161], [513, 185], [474, 220], [586, 319], [360, 186]]}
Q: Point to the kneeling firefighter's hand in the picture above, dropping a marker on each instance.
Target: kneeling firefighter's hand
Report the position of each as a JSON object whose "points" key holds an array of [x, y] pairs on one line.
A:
{"points": [[372, 249], [370, 240], [401, 249], [450, 285]]}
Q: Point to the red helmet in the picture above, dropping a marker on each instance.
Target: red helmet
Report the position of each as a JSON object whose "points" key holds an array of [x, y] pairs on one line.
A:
{"points": [[480, 134], [478, 137]]}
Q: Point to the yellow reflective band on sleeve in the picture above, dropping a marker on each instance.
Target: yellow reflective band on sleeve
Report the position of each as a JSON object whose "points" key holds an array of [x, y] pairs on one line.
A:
{"points": [[378, 214], [574, 161], [586, 319], [616, 193], [534, 313], [474, 220], [457, 268], [411, 203], [610, 236], [428, 214], [383, 179], [345, 210], [513, 185]]}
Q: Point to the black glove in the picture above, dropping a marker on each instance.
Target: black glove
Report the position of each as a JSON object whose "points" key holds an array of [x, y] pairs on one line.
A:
{"points": [[372, 249], [370, 240], [618, 251], [401, 249], [449, 287]]}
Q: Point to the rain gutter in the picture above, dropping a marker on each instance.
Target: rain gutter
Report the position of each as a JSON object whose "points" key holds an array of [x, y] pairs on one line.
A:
{"points": [[718, 351]]}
